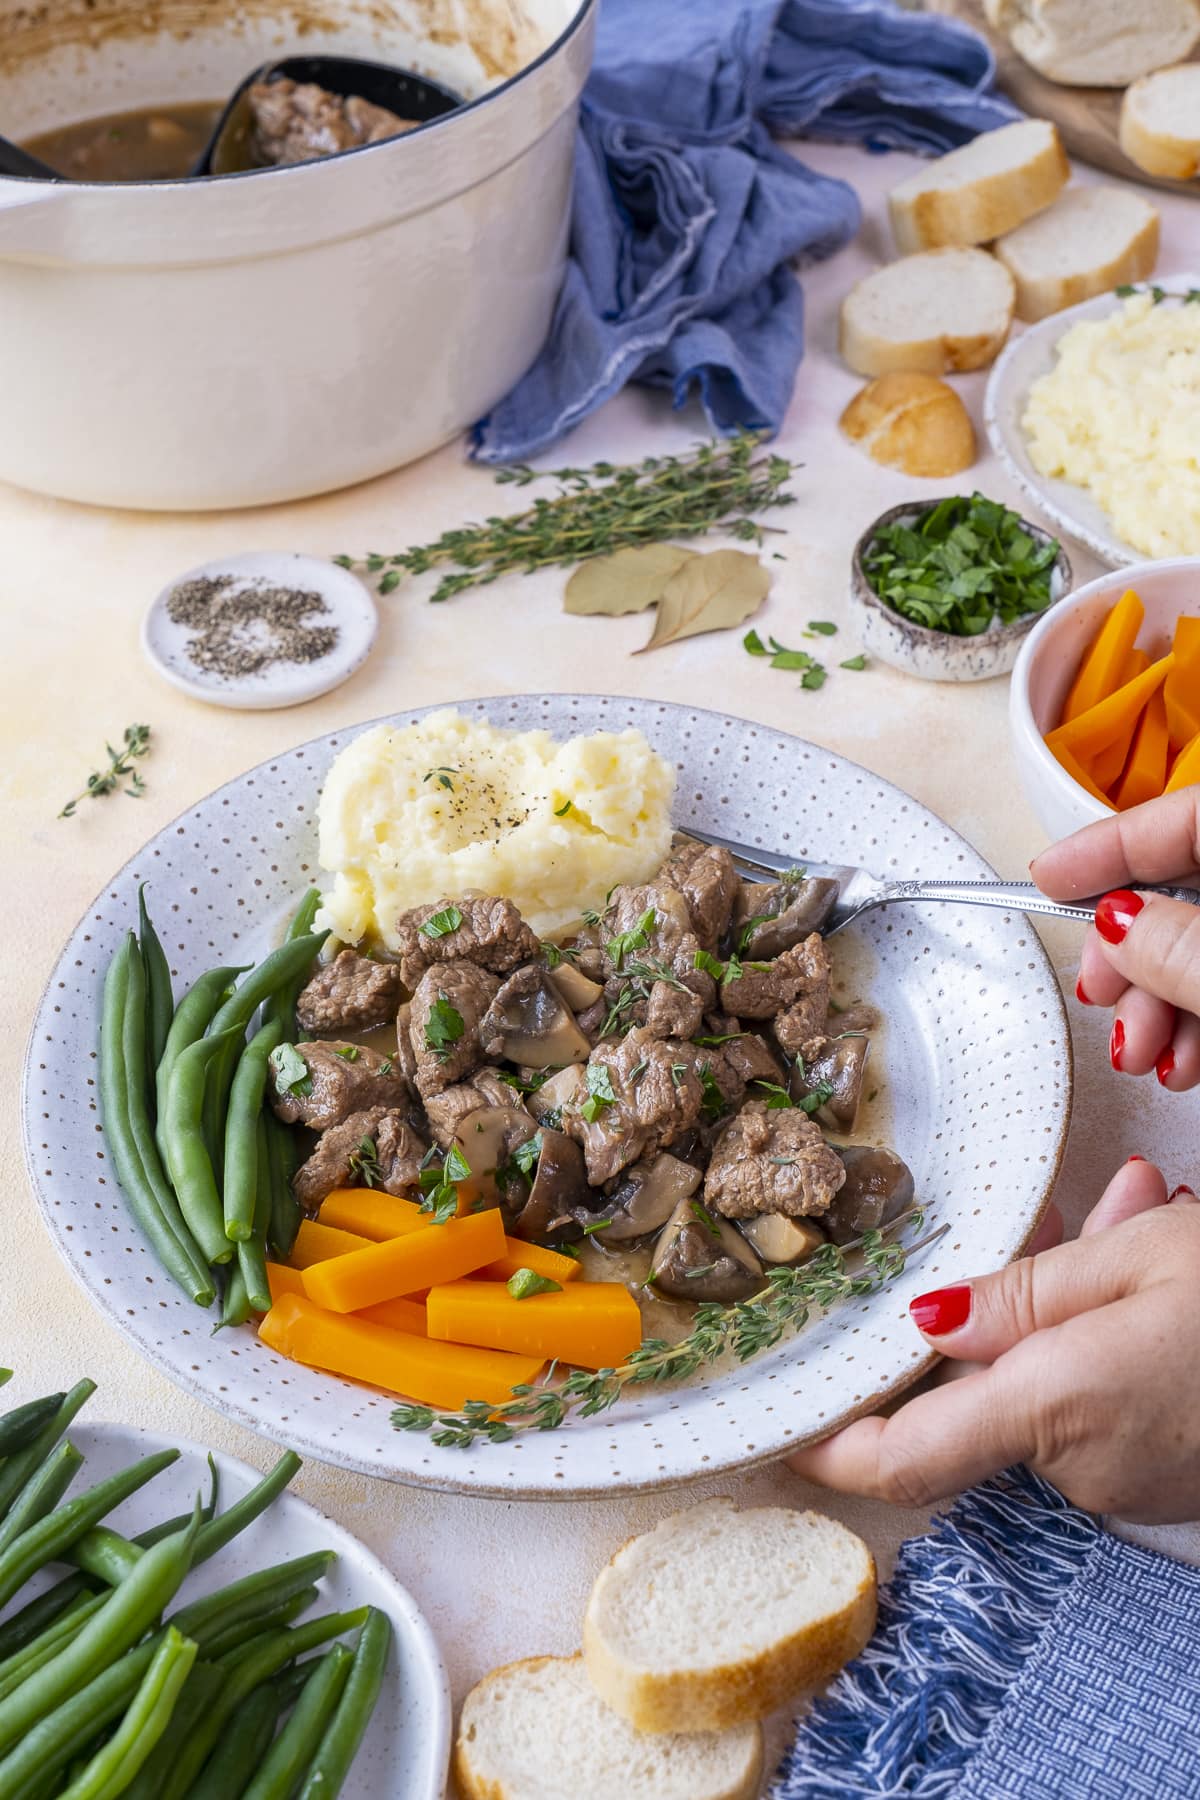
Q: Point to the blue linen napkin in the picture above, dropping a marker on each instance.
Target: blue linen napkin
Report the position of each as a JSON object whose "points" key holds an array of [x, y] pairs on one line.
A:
{"points": [[687, 214], [1023, 1653]]}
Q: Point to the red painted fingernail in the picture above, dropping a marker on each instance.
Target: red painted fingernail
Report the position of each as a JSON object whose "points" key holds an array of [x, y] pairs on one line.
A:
{"points": [[1116, 913], [1165, 1064], [942, 1311], [1116, 1046], [1181, 1193], [1079, 993], [1137, 1159]]}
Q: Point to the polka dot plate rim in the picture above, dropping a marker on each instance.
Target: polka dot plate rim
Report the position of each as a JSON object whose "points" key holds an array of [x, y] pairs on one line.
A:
{"points": [[976, 1065]]}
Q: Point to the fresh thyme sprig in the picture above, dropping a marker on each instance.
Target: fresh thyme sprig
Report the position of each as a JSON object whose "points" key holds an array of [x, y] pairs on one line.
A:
{"points": [[120, 765], [717, 486], [787, 1302]]}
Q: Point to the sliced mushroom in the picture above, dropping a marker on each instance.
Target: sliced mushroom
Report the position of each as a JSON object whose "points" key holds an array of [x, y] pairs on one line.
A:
{"points": [[779, 1239], [787, 912], [529, 1022], [646, 1195], [838, 1066], [878, 1187], [701, 1257], [578, 990], [559, 1193], [487, 1139], [554, 1094]]}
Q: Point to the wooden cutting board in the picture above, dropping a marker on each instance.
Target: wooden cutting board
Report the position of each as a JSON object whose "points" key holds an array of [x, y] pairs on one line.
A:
{"points": [[1086, 117]]}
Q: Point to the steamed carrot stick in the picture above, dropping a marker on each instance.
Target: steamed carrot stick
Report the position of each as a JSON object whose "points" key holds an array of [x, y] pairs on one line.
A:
{"points": [[397, 1315], [419, 1259], [1077, 772], [283, 1280], [1095, 730], [519, 1255], [441, 1375], [1146, 774], [596, 1324], [1182, 688], [1107, 766], [1186, 772], [316, 1242], [370, 1214], [1101, 672]]}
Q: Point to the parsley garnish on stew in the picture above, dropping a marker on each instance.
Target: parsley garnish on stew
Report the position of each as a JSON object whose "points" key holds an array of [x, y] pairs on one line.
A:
{"points": [[441, 924], [962, 566], [443, 1028]]}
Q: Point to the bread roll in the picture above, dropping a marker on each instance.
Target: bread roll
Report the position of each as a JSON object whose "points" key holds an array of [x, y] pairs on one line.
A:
{"points": [[1160, 122], [912, 422], [988, 186]]}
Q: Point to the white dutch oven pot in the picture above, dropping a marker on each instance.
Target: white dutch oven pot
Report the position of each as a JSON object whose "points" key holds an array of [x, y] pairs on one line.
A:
{"points": [[260, 337]]}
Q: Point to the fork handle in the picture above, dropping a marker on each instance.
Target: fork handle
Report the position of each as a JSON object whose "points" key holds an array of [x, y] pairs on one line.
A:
{"points": [[1016, 896]]}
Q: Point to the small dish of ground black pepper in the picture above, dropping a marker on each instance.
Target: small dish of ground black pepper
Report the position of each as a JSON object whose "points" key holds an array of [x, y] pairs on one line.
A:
{"points": [[266, 629]]}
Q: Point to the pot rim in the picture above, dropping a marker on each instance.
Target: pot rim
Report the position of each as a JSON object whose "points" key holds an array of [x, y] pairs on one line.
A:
{"points": [[66, 186]]}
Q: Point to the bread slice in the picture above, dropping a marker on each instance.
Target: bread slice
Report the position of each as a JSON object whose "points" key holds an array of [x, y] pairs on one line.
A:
{"points": [[938, 310], [537, 1730], [1160, 122], [912, 422], [988, 186], [1098, 43], [1091, 240], [718, 1616]]}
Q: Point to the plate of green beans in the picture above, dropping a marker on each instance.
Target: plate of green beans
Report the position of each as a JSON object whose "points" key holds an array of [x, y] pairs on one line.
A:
{"points": [[176, 1626]]}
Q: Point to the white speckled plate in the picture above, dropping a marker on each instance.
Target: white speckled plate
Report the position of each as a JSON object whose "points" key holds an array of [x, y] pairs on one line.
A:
{"points": [[407, 1747], [1034, 353], [974, 1061]]}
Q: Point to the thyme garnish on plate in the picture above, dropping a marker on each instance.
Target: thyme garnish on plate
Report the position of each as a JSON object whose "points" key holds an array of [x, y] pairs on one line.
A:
{"points": [[747, 1328], [120, 766], [717, 486]]}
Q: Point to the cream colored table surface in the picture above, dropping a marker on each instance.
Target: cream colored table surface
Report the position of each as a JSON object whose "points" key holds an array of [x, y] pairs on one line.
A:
{"points": [[497, 1579]]}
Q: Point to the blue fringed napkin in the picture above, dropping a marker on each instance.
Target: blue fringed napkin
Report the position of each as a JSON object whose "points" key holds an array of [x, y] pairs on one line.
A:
{"points": [[687, 214], [1023, 1653]]}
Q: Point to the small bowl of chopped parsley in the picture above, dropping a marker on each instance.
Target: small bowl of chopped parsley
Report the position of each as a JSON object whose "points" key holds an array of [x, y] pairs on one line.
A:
{"points": [[947, 589]]}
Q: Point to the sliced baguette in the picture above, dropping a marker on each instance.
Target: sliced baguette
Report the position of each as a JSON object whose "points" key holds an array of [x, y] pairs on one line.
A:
{"points": [[537, 1730], [1091, 240], [1098, 43], [938, 310], [1160, 122], [990, 185], [717, 1616], [912, 422]]}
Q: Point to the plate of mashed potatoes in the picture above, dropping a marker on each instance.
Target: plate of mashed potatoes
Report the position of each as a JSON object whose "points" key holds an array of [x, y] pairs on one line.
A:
{"points": [[1096, 414]]}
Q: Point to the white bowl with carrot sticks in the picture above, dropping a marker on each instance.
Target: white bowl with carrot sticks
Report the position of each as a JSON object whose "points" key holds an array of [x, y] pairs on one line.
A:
{"points": [[1105, 700]]}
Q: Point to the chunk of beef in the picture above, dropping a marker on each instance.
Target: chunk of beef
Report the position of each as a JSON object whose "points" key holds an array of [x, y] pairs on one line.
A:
{"points": [[671, 1001], [768, 1161], [648, 924], [752, 1059], [770, 917], [398, 1155], [493, 935], [708, 881], [342, 1079], [765, 990], [656, 1095], [291, 122], [351, 993], [447, 1005], [673, 1011], [446, 1110], [405, 1055], [334, 1162]]}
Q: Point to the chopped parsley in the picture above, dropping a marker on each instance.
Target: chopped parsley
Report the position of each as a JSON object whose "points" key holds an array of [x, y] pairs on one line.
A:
{"points": [[713, 1102], [290, 1070], [526, 1283], [822, 627], [441, 924], [709, 964], [596, 1225], [385, 1067], [526, 1155], [820, 1096], [746, 932], [600, 1092], [857, 663], [778, 1097], [715, 1041], [442, 776], [364, 1163], [560, 812], [439, 1186], [960, 566], [348, 1052], [443, 1028], [626, 942]]}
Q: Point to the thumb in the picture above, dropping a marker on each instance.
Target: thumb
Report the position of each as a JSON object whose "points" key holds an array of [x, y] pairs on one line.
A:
{"points": [[1154, 944]]}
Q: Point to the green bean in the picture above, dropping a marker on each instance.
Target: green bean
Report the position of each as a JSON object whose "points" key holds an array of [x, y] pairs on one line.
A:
{"points": [[19, 1427], [282, 1004], [222, 1530], [217, 1643], [27, 1625], [149, 1198], [235, 1303], [46, 1540], [15, 1669], [6, 1376], [160, 1001], [285, 1217], [115, 1764], [247, 1598], [188, 1156], [247, 1669], [199, 1691], [252, 1251], [339, 1746], [241, 1131], [17, 1470], [108, 1556], [41, 1493], [128, 1611], [192, 1018], [241, 1748], [59, 1735], [290, 1755]]}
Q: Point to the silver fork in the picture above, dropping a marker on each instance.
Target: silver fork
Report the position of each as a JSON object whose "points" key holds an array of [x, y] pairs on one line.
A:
{"points": [[861, 892]]}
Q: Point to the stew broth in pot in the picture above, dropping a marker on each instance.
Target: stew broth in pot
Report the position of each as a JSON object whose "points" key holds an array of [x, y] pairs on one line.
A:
{"points": [[154, 143]]}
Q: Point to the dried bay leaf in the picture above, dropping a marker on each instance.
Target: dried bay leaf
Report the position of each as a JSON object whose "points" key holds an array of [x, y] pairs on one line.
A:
{"points": [[709, 593], [628, 581]]}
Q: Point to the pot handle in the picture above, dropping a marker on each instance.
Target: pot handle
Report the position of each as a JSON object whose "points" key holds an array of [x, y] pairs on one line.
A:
{"points": [[22, 202]]}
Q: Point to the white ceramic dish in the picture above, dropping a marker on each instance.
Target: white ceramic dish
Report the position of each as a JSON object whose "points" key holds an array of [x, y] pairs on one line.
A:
{"points": [[1027, 357], [1047, 665], [405, 1753], [974, 1064], [349, 607]]}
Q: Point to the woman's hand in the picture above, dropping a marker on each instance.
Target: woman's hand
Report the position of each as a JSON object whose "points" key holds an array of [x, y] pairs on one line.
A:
{"points": [[1087, 1367], [1143, 955]]}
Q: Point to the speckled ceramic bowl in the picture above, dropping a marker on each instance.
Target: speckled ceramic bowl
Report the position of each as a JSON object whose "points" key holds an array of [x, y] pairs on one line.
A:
{"points": [[973, 1068], [937, 655]]}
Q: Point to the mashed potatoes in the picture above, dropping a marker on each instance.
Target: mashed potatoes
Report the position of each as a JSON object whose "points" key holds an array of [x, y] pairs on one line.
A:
{"points": [[422, 812], [1120, 415]]}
